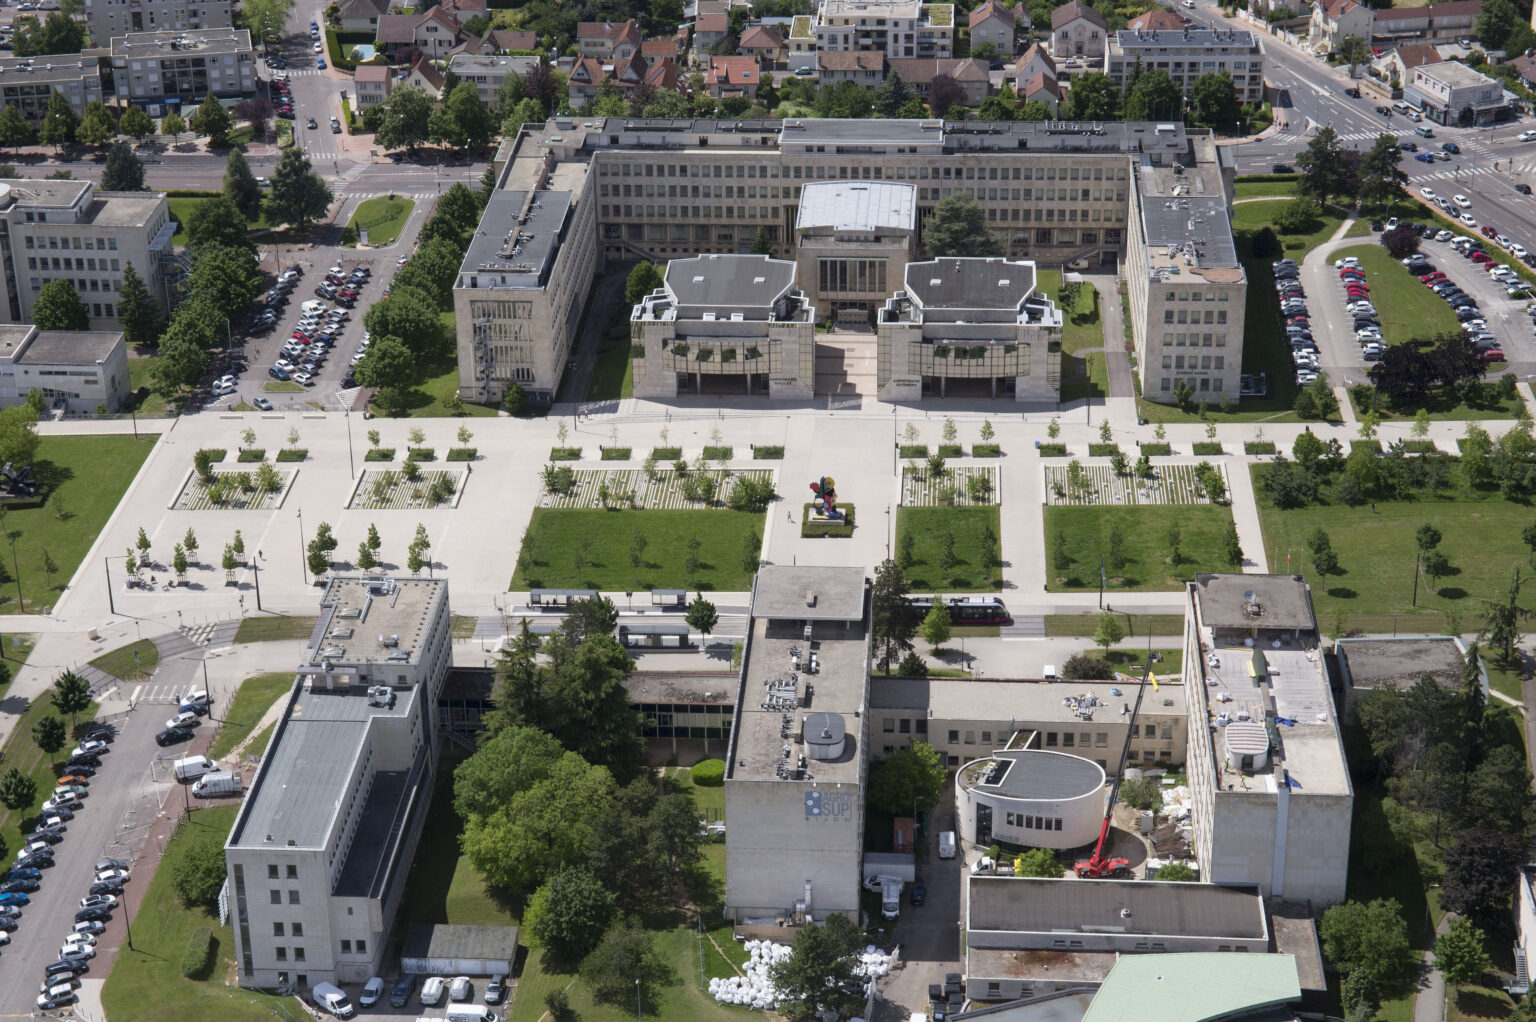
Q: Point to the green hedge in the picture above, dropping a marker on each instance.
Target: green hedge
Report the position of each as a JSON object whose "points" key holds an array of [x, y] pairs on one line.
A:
{"points": [[215, 454], [773, 452], [809, 529], [709, 774], [421, 453], [1052, 450], [197, 959], [1263, 447], [615, 453], [293, 454], [251, 454], [565, 454], [717, 454], [1103, 450], [191, 193], [1208, 447], [1157, 450], [951, 451], [462, 453], [914, 450], [986, 451], [666, 453], [380, 454]]}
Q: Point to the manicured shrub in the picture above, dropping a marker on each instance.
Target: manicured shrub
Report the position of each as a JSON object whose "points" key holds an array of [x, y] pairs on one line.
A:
{"points": [[709, 774], [197, 959]]}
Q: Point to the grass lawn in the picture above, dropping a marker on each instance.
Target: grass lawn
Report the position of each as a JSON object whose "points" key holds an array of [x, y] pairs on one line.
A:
{"points": [[1506, 680], [282, 387], [613, 373], [181, 212], [133, 662], [265, 629], [258, 746], [710, 800], [1082, 625], [1477, 1003], [1408, 308], [383, 217], [555, 536], [1169, 662], [83, 478], [1086, 374], [1282, 187], [1250, 216], [928, 526], [443, 887], [1481, 538], [253, 698], [15, 648], [1145, 533], [438, 382], [21, 752], [144, 401], [146, 983], [1443, 405]]}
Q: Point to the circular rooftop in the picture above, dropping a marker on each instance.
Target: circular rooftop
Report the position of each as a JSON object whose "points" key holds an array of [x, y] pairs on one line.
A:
{"points": [[1038, 775]]}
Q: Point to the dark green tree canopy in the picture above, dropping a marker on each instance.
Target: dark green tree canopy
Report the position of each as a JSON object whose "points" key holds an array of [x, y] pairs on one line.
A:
{"points": [[298, 195], [958, 227], [58, 307], [123, 172]]}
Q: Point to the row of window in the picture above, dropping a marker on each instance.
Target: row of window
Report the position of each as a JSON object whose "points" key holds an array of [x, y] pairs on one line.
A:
{"points": [[282, 953], [1218, 362], [1029, 822], [1013, 214], [72, 263], [1194, 340], [275, 896], [73, 241], [1206, 383], [945, 172], [650, 191], [1209, 316]]}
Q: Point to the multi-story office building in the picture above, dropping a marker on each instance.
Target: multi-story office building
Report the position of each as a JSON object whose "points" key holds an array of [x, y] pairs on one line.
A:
{"points": [[1187, 54], [154, 69], [27, 83], [69, 230], [319, 852], [79, 370], [896, 28], [853, 240], [108, 19], [1052, 193], [1188, 289]]}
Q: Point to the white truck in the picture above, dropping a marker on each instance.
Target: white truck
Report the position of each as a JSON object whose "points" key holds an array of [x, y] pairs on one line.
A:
{"points": [[890, 898], [192, 767], [216, 784]]}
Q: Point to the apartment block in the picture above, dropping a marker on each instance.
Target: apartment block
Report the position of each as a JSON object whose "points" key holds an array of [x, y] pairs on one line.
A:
{"points": [[488, 73], [895, 28], [1188, 54], [319, 853], [108, 19], [27, 83], [78, 370], [153, 69], [70, 230]]}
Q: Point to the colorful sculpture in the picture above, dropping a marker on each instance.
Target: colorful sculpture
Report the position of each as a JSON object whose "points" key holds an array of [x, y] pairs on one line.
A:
{"points": [[824, 501]]}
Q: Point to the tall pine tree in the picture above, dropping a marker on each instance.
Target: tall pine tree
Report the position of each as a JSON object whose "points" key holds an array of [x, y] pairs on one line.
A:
{"points": [[124, 172], [240, 185], [137, 311]]}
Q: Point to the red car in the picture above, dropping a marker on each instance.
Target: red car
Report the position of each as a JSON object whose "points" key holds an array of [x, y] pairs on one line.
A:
{"points": [[1436, 275], [1481, 257], [1491, 355]]}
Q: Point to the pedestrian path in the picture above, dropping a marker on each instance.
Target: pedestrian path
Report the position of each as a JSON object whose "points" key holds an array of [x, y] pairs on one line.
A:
{"points": [[1023, 626], [168, 694]]}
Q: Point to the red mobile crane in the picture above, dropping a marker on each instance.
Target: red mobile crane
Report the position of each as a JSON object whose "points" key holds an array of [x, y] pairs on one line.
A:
{"points": [[1098, 867]]}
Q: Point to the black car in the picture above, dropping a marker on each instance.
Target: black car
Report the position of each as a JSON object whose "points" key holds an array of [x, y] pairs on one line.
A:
{"points": [[1407, 146], [1352, 92], [89, 759], [7, 924], [97, 914], [401, 991], [286, 115], [172, 735], [52, 835], [98, 733], [919, 894], [22, 886], [1282, 168], [106, 887], [62, 967], [81, 770], [1385, 111], [37, 860]]}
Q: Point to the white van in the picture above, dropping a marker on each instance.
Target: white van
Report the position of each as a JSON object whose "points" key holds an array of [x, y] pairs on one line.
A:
{"points": [[192, 767], [470, 1013], [947, 845], [330, 999]]}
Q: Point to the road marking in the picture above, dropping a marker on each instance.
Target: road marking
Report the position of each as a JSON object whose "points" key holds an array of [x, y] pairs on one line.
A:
{"points": [[135, 697]]}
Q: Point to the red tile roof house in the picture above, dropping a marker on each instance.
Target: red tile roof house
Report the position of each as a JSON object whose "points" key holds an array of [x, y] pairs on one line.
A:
{"points": [[509, 40], [709, 31], [589, 73], [993, 23], [1041, 88], [764, 42], [864, 68], [433, 34], [608, 40], [1077, 30], [1159, 20], [371, 83], [463, 10], [731, 76], [919, 72]]}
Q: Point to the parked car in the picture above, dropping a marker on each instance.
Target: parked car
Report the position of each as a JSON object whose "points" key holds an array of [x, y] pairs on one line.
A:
{"points": [[172, 735], [432, 991], [400, 993]]}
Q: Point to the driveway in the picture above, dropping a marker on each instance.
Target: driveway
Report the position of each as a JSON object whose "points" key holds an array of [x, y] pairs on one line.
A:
{"points": [[929, 936]]}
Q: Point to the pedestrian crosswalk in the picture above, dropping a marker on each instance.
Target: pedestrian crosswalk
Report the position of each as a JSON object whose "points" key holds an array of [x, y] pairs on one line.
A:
{"points": [[169, 694]]}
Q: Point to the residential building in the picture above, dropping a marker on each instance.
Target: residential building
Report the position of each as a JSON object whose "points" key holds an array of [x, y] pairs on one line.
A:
{"points": [[608, 40], [709, 31], [1398, 64], [1041, 88], [764, 42], [894, 28], [489, 73], [802, 42], [1525, 929], [969, 327], [1335, 19], [371, 84], [70, 230], [1270, 784], [853, 240], [997, 25], [463, 10], [27, 83], [159, 69], [1187, 55], [864, 68], [806, 806], [664, 48], [725, 324], [513, 40], [77, 370], [1187, 287], [1159, 19], [1078, 30], [322, 844], [589, 74], [1450, 92], [431, 35], [969, 73], [1034, 61], [1526, 66], [361, 15], [108, 19], [425, 77], [731, 76], [1435, 23]]}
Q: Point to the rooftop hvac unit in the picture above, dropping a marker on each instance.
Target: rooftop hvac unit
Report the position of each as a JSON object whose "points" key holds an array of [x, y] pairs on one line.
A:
{"points": [[349, 612], [826, 736], [389, 640], [333, 652], [381, 695]]}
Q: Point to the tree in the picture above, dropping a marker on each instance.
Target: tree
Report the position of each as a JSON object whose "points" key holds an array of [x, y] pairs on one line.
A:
{"points": [[96, 125], [217, 221], [817, 979], [1381, 174], [1495, 21], [1354, 51], [1499, 792], [15, 132], [944, 94], [1324, 171], [1299, 216], [892, 95], [266, 18], [18, 436], [1108, 632], [1144, 793], [935, 628], [137, 311], [1370, 938], [1175, 540], [763, 243], [257, 112], [228, 278], [17, 790], [1503, 617], [891, 623], [702, 616], [1461, 954], [212, 121], [568, 915], [643, 279], [240, 186], [199, 875], [58, 125], [1154, 97], [410, 315], [298, 195], [180, 364], [1038, 862], [57, 34], [625, 967], [58, 307], [403, 122], [432, 269], [1214, 100], [71, 694], [1081, 667], [1094, 97], [1398, 242], [124, 172], [958, 227], [387, 366], [910, 779], [1234, 546], [136, 124], [172, 124], [49, 734], [1478, 881]]}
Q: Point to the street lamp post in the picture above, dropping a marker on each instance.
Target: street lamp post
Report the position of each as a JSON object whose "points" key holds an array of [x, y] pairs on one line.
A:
{"points": [[303, 563], [638, 1016], [107, 567]]}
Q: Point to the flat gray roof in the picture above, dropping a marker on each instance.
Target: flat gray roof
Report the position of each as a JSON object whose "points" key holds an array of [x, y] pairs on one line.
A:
{"points": [[123, 209], [512, 250], [387, 801], [1200, 220], [805, 593], [1400, 663], [1025, 702], [970, 283], [857, 206], [1203, 37], [387, 617], [440, 940], [67, 347], [726, 283], [703, 688], [57, 67], [1035, 905], [1454, 74], [46, 192], [1038, 774], [1280, 601], [181, 42]]}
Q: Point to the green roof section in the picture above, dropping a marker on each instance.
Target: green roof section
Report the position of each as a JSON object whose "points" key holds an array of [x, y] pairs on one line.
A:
{"points": [[1193, 987]]}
